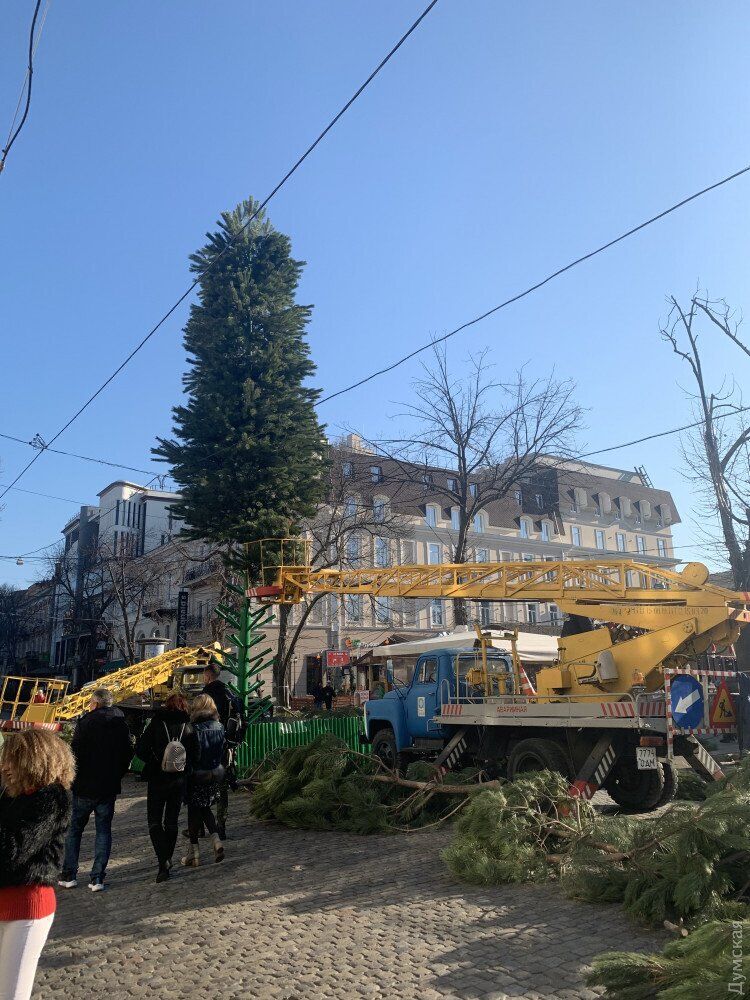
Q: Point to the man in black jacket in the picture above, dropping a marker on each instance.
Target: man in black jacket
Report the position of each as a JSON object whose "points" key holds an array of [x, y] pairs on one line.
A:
{"points": [[227, 704], [103, 751]]}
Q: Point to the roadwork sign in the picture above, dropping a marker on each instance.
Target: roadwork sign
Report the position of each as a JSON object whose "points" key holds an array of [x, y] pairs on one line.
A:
{"points": [[722, 708]]}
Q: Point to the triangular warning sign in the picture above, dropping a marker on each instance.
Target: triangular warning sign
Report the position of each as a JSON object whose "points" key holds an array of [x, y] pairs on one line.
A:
{"points": [[722, 708]]}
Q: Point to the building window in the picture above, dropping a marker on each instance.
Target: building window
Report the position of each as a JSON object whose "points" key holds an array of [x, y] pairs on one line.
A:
{"points": [[531, 614], [519, 497], [431, 517], [485, 617], [376, 473], [483, 555], [353, 607], [436, 612], [352, 550], [433, 553], [640, 543], [545, 531], [554, 614], [381, 552], [383, 612], [455, 519], [527, 557], [427, 480], [523, 528], [575, 535], [408, 553], [539, 499], [479, 523], [599, 539], [620, 539], [453, 485], [347, 470], [473, 489], [378, 511], [662, 547], [350, 508]]}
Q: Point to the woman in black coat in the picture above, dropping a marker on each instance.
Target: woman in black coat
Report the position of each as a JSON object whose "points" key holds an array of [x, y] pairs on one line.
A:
{"points": [[36, 772], [165, 789]]}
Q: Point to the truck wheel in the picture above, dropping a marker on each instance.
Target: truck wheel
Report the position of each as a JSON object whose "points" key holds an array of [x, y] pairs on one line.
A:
{"points": [[385, 749], [671, 781], [537, 755], [634, 790]]}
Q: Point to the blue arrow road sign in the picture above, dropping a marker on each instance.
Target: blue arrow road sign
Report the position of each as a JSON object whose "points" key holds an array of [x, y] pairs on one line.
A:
{"points": [[686, 696]]}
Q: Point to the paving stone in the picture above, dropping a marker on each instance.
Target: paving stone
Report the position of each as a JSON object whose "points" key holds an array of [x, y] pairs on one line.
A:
{"points": [[292, 915]]}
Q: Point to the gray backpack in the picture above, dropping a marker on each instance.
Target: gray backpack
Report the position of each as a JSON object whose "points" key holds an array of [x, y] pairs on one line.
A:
{"points": [[174, 757]]}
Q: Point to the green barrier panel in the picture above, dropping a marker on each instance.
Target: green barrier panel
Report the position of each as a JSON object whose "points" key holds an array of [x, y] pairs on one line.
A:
{"points": [[262, 738]]}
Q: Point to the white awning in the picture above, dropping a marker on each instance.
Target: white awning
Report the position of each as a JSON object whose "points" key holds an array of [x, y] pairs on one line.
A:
{"points": [[532, 647]]}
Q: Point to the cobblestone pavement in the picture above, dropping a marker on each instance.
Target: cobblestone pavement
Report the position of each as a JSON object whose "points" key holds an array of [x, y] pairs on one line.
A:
{"points": [[313, 915]]}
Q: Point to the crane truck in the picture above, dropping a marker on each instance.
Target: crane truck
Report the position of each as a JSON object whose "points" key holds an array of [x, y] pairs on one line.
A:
{"points": [[600, 715]]}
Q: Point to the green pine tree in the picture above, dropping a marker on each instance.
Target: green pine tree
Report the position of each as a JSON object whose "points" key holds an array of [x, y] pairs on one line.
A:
{"points": [[248, 450]]}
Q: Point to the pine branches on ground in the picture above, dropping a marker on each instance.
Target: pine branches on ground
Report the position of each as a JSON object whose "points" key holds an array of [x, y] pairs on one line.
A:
{"points": [[712, 963], [326, 786], [508, 834]]}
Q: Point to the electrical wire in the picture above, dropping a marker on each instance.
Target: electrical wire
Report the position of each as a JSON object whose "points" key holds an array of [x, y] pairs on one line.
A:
{"points": [[535, 287], [292, 170], [72, 454], [12, 136]]}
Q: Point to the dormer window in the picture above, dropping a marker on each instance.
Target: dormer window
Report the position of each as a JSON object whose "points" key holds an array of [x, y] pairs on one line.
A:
{"points": [[539, 499], [546, 532], [453, 485], [473, 490], [347, 470], [479, 523], [523, 528], [376, 473], [430, 516], [455, 519], [519, 497], [350, 507], [427, 480], [378, 511]]}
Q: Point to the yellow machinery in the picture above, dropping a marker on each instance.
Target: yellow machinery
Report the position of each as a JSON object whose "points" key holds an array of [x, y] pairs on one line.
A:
{"points": [[669, 617], [150, 676]]}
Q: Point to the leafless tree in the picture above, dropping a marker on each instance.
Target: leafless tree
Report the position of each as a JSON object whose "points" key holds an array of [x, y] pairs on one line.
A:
{"points": [[104, 592], [717, 453], [14, 623], [344, 526], [490, 433]]}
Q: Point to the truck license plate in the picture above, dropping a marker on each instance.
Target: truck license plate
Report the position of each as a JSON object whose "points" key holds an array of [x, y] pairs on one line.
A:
{"points": [[645, 758]]}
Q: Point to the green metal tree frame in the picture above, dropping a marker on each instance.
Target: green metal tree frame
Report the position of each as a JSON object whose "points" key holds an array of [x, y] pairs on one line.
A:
{"points": [[248, 663]]}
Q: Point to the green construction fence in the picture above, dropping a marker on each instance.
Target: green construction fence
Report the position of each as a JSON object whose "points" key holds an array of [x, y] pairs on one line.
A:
{"points": [[262, 738]]}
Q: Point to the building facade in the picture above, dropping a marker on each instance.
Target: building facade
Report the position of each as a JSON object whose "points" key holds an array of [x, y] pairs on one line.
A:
{"points": [[386, 513]]}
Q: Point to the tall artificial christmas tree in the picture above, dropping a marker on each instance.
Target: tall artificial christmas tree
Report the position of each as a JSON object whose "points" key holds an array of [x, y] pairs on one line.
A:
{"points": [[248, 451]]}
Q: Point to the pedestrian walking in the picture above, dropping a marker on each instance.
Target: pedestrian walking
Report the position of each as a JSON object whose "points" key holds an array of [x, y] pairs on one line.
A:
{"points": [[161, 747], [204, 742], [317, 693], [102, 749], [328, 695], [36, 772], [232, 717]]}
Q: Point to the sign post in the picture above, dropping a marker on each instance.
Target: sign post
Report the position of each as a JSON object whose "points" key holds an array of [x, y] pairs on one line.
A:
{"points": [[182, 615]]}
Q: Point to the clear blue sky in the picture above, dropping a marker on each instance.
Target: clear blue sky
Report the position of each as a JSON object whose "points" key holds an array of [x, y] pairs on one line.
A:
{"points": [[503, 140]]}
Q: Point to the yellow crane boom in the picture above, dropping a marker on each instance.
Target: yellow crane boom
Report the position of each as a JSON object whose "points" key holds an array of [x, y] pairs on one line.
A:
{"points": [[674, 616]]}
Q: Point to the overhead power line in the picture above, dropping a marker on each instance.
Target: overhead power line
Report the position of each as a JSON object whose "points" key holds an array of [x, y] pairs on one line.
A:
{"points": [[40, 446], [292, 170], [33, 42], [535, 287]]}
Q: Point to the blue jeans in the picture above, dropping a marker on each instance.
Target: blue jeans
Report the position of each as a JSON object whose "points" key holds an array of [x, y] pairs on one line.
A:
{"points": [[103, 812]]}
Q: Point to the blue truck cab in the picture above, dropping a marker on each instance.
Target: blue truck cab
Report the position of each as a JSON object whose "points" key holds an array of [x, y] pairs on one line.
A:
{"points": [[402, 722]]}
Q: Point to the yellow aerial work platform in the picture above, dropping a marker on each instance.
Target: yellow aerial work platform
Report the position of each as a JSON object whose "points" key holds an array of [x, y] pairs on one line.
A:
{"points": [[21, 697]]}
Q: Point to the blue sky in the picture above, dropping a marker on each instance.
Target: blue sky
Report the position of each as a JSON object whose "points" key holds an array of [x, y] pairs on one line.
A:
{"points": [[502, 141]]}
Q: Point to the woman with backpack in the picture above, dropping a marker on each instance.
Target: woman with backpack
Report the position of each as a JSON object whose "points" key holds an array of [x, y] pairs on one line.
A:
{"points": [[162, 750], [204, 741]]}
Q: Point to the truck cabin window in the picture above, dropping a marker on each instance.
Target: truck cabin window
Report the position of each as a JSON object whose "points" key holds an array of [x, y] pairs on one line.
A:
{"points": [[428, 672]]}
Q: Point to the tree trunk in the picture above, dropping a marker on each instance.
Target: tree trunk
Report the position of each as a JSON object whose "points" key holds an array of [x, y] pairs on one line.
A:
{"points": [[281, 663]]}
